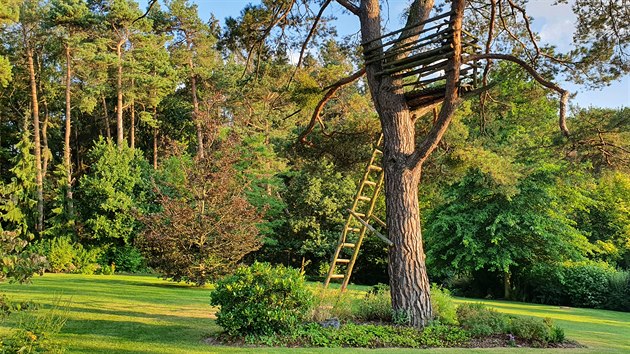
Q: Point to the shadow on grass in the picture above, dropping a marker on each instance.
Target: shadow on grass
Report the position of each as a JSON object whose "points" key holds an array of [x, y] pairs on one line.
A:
{"points": [[139, 314]]}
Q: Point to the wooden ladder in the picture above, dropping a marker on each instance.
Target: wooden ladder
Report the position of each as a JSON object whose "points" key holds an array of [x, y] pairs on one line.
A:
{"points": [[357, 223]]}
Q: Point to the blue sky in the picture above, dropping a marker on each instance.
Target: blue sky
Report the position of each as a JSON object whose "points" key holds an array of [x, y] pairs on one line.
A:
{"points": [[554, 23]]}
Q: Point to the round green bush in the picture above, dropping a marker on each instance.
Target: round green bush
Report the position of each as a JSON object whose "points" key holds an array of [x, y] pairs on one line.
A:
{"points": [[586, 283], [261, 300]]}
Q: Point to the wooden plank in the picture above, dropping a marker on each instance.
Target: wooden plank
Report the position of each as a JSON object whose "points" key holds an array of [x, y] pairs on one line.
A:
{"points": [[425, 61], [439, 17], [373, 230], [369, 59], [447, 32]]}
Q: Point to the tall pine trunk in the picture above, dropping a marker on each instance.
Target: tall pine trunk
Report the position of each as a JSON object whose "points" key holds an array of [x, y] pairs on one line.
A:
{"points": [[66, 147], [132, 130], [106, 118], [36, 138], [155, 144], [119, 95]]}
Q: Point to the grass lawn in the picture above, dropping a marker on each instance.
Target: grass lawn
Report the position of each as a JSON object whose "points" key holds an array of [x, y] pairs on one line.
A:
{"points": [[143, 314]]}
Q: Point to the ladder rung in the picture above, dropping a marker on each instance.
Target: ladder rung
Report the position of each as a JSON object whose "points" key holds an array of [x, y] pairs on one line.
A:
{"points": [[364, 198], [361, 215], [378, 151], [375, 168], [370, 183], [349, 245], [337, 276], [354, 229], [342, 260]]}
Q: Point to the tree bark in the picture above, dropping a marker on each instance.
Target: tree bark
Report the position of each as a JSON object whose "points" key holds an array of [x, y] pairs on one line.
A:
{"points": [[119, 96], [155, 144], [132, 130], [66, 147], [106, 118], [36, 139]]}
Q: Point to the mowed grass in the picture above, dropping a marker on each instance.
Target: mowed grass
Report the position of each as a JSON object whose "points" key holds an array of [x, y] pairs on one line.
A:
{"points": [[143, 314]]}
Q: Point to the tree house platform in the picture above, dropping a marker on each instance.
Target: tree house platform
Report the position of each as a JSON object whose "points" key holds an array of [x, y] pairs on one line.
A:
{"points": [[418, 56]]}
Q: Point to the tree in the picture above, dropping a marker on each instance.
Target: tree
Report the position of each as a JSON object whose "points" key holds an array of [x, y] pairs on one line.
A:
{"points": [[193, 51], [205, 225], [69, 17], [29, 25], [404, 151], [486, 227]]}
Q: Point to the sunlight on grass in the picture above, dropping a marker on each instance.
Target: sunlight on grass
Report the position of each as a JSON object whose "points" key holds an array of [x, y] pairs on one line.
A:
{"points": [[144, 314]]}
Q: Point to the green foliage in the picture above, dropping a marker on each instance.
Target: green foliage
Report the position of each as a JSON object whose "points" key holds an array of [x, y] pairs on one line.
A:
{"points": [[535, 330], [444, 308], [17, 262], [60, 254], [483, 228], [35, 332], [261, 300], [18, 197], [127, 259], [480, 321], [329, 303], [114, 190], [618, 297], [316, 200], [368, 336], [586, 283], [376, 305]]}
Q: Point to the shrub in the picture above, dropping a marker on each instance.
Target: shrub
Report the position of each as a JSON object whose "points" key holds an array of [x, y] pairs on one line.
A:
{"points": [[481, 321], [618, 297], [60, 254], [203, 233], [543, 283], [261, 300], [531, 329], [444, 309], [18, 263], [127, 259], [85, 261], [586, 283], [376, 305]]}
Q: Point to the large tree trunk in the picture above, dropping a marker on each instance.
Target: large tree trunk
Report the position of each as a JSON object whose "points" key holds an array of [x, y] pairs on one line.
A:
{"points": [[66, 143], [36, 139], [402, 160], [119, 96], [408, 274]]}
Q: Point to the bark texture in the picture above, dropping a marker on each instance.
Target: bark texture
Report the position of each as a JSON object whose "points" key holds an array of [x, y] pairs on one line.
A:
{"points": [[66, 147], [36, 139]]}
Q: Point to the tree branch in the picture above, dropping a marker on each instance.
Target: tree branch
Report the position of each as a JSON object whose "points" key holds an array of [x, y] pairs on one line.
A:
{"points": [[149, 7], [320, 105], [564, 94], [349, 6]]}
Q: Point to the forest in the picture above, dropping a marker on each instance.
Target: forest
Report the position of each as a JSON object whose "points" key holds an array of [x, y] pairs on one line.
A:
{"points": [[147, 140]]}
